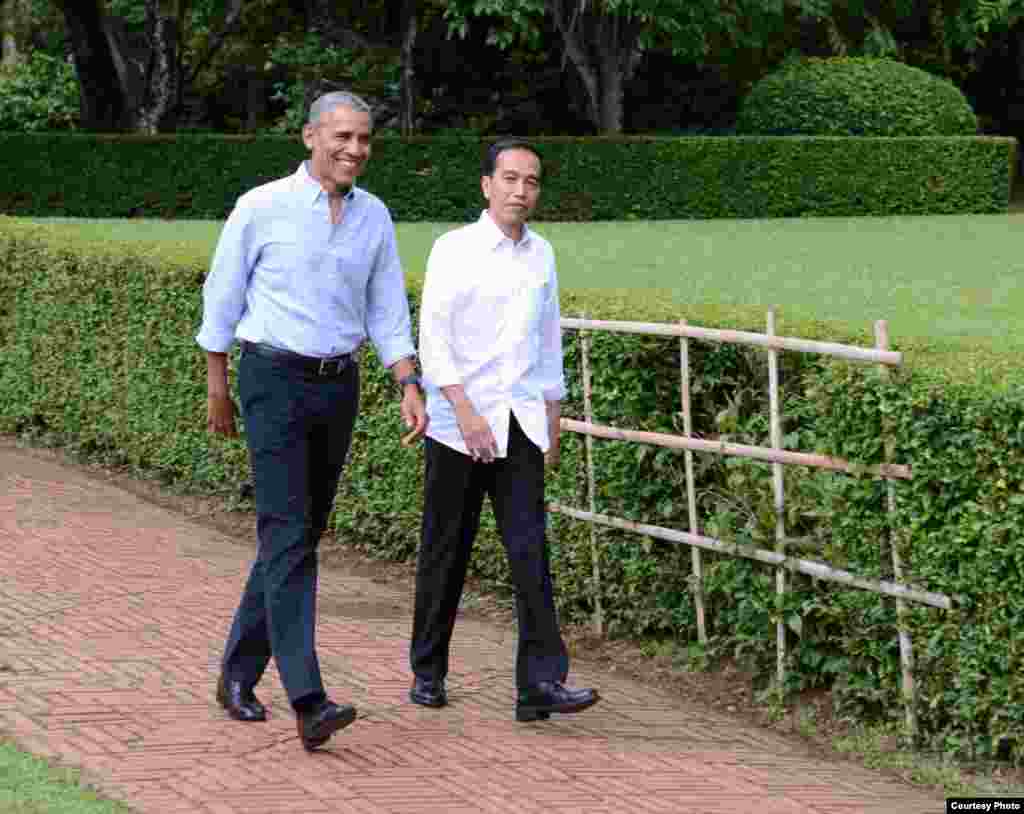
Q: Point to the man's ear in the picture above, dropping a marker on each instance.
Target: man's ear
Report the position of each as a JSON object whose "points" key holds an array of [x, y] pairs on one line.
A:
{"points": [[485, 187], [307, 136]]}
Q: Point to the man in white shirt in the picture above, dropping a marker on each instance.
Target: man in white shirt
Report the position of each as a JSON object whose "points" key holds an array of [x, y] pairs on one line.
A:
{"points": [[491, 355]]}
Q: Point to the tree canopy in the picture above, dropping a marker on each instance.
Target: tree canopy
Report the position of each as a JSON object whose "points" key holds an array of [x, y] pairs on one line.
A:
{"points": [[150, 65]]}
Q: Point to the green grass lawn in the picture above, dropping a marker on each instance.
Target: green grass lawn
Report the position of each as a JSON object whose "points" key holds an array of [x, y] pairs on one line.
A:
{"points": [[944, 278], [29, 785]]}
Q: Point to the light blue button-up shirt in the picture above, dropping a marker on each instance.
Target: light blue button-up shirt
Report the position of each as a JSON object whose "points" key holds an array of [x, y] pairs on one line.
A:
{"points": [[284, 275]]}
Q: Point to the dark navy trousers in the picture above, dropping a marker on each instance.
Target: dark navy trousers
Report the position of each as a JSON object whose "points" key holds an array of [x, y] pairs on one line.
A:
{"points": [[298, 427], [454, 489]]}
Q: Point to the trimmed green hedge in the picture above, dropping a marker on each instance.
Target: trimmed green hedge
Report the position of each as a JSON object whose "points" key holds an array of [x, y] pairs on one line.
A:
{"points": [[597, 179], [99, 357], [855, 96]]}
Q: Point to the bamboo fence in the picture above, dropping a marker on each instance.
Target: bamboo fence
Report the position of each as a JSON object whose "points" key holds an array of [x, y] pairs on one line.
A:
{"points": [[775, 454]]}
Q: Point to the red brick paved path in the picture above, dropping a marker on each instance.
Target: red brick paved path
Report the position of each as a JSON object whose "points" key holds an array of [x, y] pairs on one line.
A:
{"points": [[112, 616]]}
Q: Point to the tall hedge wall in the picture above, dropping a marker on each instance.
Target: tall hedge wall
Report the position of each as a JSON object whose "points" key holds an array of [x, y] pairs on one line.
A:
{"points": [[98, 355], [596, 179]]}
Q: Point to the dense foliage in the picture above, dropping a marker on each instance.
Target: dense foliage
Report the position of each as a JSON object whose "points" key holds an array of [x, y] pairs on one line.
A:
{"points": [[500, 66], [424, 179], [855, 97], [99, 357], [40, 93]]}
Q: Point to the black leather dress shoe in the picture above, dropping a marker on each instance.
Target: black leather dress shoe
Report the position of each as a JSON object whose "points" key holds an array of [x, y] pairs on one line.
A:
{"points": [[536, 703], [239, 701], [428, 693], [316, 726]]}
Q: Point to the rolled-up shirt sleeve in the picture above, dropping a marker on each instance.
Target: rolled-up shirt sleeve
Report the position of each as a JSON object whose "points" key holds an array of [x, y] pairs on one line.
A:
{"points": [[552, 373], [225, 286], [436, 310], [387, 306]]}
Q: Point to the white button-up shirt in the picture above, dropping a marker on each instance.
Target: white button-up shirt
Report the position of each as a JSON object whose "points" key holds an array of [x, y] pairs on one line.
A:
{"points": [[490, 321], [284, 275]]}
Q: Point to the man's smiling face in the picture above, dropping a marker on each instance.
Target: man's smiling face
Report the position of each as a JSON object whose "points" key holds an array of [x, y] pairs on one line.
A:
{"points": [[340, 147]]}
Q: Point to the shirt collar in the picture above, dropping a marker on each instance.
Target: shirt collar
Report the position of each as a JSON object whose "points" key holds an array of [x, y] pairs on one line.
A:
{"points": [[310, 189], [493, 236]]}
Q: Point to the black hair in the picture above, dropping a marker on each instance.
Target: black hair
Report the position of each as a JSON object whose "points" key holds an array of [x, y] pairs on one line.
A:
{"points": [[490, 161]]}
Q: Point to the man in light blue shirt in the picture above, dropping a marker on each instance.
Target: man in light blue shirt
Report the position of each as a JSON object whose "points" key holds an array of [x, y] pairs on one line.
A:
{"points": [[306, 269]]}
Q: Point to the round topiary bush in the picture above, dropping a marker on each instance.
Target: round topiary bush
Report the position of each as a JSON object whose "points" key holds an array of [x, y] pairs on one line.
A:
{"points": [[855, 96]]}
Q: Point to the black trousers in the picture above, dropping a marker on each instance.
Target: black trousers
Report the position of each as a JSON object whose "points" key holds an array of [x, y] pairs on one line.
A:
{"points": [[298, 427], [454, 491]]}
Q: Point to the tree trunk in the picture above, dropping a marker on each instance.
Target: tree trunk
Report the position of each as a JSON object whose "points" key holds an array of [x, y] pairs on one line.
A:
{"points": [[8, 45], [574, 42], [131, 70], [616, 64], [407, 115], [162, 76], [257, 89], [937, 18], [611, 112], [603, 49], [103, 105]]}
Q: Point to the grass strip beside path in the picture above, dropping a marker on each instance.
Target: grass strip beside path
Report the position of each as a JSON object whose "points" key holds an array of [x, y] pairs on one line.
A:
{"points": [[29, 785]]}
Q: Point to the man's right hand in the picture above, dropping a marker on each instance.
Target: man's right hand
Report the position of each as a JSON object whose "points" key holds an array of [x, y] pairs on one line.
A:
{"points": [[476, 432], [220, 416]]}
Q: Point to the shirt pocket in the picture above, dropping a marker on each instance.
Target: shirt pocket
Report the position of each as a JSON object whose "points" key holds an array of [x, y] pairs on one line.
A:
{"points": [[281, 249], [510, 284], [346, 271], [525, 308], [279, 258]]}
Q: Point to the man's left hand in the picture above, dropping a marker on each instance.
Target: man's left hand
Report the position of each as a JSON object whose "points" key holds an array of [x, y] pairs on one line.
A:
{"points": [[553, 456], [553, 410], [414, 414]]}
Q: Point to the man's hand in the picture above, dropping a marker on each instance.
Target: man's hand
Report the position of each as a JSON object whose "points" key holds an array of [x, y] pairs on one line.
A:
{"points": [[553, 412], [220, 416], [476, 432], [553, 457], [414, 414], [220, 409]]}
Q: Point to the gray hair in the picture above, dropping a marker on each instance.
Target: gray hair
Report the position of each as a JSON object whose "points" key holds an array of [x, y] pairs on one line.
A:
{"points": [[340, 98]]}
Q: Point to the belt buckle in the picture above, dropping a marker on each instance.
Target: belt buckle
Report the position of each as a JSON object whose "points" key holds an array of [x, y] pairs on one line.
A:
{"points": [[325, 366]]}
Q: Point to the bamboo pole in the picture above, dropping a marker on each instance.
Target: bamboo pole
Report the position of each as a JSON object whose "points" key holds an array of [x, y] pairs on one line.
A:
{"points": [[591, 489], [906, 646], [778, 489], [741, 450], [851, 352], [691, 490], [809, 567]]}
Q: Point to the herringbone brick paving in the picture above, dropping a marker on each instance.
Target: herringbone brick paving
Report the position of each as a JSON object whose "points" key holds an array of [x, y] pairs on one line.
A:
{"points": [[112, 615]]}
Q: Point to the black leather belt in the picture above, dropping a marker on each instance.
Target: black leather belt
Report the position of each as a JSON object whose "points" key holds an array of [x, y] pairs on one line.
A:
{"points": [[331, 366]]}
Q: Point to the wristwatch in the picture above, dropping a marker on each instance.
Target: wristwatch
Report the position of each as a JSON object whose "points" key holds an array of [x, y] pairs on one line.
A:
{"points": [[412, 378]]}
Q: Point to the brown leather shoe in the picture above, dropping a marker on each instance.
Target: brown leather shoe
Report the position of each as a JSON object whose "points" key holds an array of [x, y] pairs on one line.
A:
{"points": [[317, 725], [239, 700], [536, 703]]}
